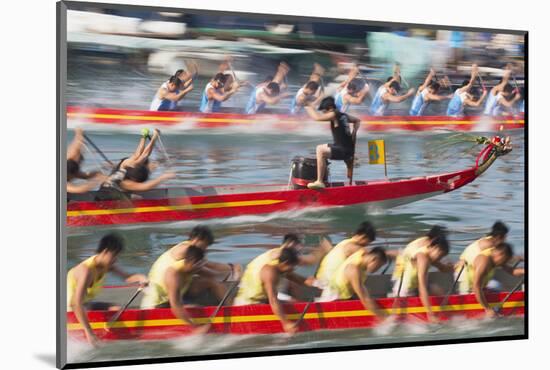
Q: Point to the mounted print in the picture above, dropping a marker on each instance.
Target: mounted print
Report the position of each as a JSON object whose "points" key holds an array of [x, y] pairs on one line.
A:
{"points": [[235, 184]]}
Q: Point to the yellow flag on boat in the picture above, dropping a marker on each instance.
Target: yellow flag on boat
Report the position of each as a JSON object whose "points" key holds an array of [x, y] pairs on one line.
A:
{"points": [[377, 152]]}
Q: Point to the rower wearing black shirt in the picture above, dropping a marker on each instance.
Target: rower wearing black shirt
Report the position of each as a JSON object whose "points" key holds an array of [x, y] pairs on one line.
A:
{"points": [[344, 138]]}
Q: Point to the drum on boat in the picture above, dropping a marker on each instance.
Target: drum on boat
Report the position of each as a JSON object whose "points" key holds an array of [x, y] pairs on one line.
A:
{"points": [[304, 171]]}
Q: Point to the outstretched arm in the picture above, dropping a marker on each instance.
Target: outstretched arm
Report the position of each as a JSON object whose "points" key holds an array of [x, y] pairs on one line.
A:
{"points": [[472, 79], [423, 264], [282, 71], [83, 280], [74, 149], [353, 72], [269, 279], [481, 267], [427, 80], [318, 116], [172, 281], [398, 99]]}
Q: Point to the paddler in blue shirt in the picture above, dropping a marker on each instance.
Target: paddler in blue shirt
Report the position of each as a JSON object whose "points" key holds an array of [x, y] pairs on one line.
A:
{"points": [[219, 89], [463, 98], [310, 93], [502, 97], [344, 138], [169, 94], [426, 93], [353, 91], [269, 92]]}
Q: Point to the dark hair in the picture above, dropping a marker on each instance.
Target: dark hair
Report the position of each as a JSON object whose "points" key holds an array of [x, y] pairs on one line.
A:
{"points": [[274, 87], [505, 248], [396, 86], [355, 85], [437, 230], [379, 252], [179, 72], [194, 253], [175, 80], [291, 237], [73, 167], [435, 86], [221, 77], [508, 88], [440, 242], [499, 229], [202, 233], [312, 85], [111, 243], [327, 103], [464, 83], [366, 229], [138, 174], [289, 255]]}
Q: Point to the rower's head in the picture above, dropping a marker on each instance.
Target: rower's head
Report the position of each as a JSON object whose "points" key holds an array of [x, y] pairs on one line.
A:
{"points": [[438, 248], [219, 80], [376, 258], [194, 258], [499, 232], [311, 88], [288, 260], [201, 236], [464, 83], [292, 240], [434, 87], [501, 254], [273, 89], [328, 104], [437, 231], [109, 248], [365, 234], [182, 74], [508, 91], [73, 168], [394, 88], [173, 83], [138, 173], [355, 86]]}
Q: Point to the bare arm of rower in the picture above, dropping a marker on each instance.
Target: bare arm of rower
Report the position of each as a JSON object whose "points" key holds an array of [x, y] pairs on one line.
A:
{"points": [[356, 124], [353, 72], [82, 188], [509, 103], [282, 71], [172, 96], [74, 149], [472, 79], [84, 279], [269, 279], [212, 94], [360, 96], [423, 264], [427, 80], [398, 99], [475, 103], [130, 185], [434, 97], [318, 116], [505, 78], [225, 268], [354, 277], [173, 282], [129, 278], [481, 264], [271, 100]]}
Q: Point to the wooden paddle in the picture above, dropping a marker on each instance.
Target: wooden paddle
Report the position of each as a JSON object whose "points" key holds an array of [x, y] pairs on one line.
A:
{"points": [[452, 289], [119, 313], [98, 150], [224, 299]]}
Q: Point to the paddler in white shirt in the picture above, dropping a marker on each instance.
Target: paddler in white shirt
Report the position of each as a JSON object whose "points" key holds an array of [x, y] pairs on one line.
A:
{"points": [[410, 276], [169, 94], [478, 263], [85, 281]]}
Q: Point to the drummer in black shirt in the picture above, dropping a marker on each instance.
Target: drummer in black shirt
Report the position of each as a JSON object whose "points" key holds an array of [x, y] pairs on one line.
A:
{"points": [[344, 139]]}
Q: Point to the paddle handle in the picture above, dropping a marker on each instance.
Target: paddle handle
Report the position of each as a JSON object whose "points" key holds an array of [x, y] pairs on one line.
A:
{"points": [[501, 304], [225, 297], [119, 313], [97, 149], [452, 288]]}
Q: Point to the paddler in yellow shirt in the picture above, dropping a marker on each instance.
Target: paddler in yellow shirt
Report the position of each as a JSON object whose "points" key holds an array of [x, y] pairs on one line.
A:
{"points": [[259, 283], [209, 278], [410, 276], [348, 281], [363, 236], [479, 261], [85, 281]]}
